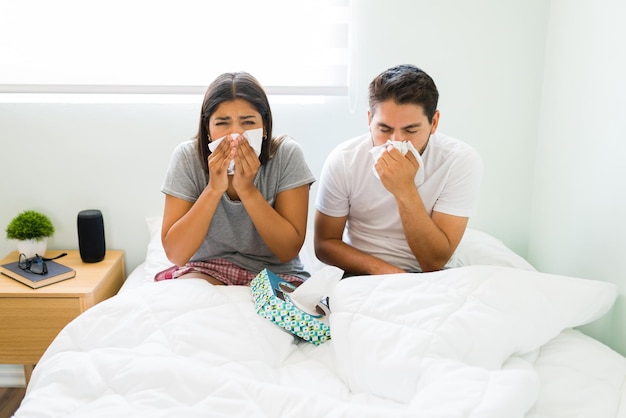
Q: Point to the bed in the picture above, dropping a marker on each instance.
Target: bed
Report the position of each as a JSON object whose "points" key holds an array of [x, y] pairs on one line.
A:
{"points": [[491, 337]]}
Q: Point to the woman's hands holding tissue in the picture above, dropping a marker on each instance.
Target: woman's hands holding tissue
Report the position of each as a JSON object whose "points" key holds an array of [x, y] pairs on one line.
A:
{"points": [[233, 148], [218, 161], [247, 163]]}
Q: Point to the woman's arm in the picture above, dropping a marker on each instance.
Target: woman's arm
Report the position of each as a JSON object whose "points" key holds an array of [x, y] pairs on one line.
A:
{"points": [[282, 227], [185, 224]]}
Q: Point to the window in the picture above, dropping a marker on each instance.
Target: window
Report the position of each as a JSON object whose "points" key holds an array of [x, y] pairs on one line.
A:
{"points": [[173, 47]]}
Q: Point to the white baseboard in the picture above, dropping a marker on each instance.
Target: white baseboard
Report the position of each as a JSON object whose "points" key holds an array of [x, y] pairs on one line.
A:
{"points": [[12, 376]]}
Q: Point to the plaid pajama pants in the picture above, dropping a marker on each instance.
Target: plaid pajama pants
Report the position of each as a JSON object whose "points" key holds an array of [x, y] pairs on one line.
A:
{"points": [[222, 270]]}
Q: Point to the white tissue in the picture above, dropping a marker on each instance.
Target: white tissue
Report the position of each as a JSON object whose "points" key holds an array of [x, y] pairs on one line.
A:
{"points": [[254, 137], [320, 285], [403, 147]]}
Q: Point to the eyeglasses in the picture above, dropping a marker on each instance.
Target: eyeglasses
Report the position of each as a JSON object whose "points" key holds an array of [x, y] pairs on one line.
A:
{"points": [[36, 265]]}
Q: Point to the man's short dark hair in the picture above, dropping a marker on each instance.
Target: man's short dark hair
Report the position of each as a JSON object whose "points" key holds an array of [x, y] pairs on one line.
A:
{"points": [[405, 84]]}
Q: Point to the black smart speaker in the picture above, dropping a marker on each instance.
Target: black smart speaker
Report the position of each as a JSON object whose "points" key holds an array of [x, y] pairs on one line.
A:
{"points": [[91, 235]]}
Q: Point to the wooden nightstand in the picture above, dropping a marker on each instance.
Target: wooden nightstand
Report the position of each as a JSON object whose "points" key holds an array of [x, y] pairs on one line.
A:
{"points": [[31, 318]]}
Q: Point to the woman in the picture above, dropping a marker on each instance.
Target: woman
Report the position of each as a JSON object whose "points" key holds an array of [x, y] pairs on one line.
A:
{"points": [[225, 228]]}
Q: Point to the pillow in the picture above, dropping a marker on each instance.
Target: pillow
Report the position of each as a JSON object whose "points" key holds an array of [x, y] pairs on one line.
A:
{"points": [[384, 328], [307, 255], [156, 260], [480, 248]]}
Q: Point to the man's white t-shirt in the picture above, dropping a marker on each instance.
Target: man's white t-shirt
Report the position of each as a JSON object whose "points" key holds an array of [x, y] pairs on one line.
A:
{"points": [[348, 186]]}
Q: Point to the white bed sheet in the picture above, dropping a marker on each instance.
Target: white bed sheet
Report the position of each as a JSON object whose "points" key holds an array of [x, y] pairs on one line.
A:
{"points": [[473, 341], [136, 278], [185, 348], [580, 378]]}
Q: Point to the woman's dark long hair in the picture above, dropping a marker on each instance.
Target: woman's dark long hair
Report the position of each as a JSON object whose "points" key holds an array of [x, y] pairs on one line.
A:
{"points": [[231, 86]]}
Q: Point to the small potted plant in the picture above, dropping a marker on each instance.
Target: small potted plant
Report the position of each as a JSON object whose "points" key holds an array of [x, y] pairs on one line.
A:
{"points": [[30, 229]]}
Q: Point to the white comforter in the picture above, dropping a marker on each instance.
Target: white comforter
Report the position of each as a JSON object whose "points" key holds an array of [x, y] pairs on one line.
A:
{"points": [[458, 343]]}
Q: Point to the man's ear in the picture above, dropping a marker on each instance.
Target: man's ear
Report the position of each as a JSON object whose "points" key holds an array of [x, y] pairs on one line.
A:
{"points": [[435, 122], [369, 117]]}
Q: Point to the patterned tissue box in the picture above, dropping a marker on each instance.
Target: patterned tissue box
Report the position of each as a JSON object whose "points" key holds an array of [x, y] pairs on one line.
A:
{"points": [[271, 301]]}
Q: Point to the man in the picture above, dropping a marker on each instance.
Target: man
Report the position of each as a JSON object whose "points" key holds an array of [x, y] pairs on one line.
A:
{"points": [[401, 212]]}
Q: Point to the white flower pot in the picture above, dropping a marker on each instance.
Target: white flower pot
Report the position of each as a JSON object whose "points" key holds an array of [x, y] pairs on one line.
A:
{"points": [[31, 247]]}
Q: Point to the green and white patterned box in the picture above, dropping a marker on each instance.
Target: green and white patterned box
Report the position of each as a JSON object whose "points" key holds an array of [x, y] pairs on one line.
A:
{"points": [[268, 291]]}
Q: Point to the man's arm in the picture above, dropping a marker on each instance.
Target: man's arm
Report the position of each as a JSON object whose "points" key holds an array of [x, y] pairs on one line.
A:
{"points": [[330, 249], [432, 240]]}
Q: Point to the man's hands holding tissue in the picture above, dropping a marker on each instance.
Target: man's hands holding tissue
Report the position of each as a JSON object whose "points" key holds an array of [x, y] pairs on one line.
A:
{"points": [[396, 171]]}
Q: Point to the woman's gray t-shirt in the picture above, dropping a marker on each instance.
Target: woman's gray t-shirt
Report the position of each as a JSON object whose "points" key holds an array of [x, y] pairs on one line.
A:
{"points": [[232, 236]]}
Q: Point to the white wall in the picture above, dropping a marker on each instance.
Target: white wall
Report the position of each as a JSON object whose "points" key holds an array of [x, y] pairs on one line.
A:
{"points": [[112, 157], [578, 222]]}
